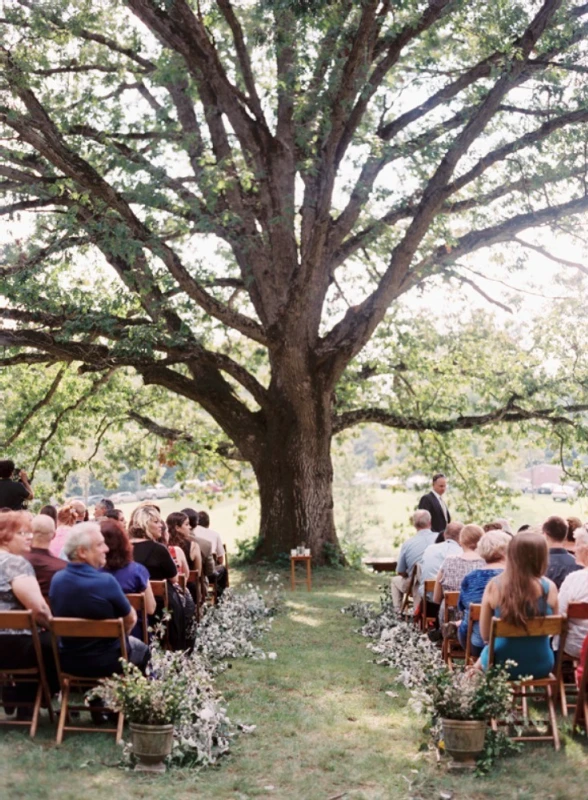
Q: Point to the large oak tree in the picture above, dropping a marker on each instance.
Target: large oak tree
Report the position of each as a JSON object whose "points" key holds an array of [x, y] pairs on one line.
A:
{"points": [[264, 179]]}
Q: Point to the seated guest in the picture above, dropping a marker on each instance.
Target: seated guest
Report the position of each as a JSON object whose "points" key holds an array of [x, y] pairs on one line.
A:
{"points": [[50, 511], [44, 564], [145, 535], [492, 549], [435, 554], [560, 562], [570, 542], [574, 589], [411, 553], [520, 594], [204, 532], [132, 577], [433, 557], [179, 533], [455, 567], [67, 516], [20, 590], [101, 507], [83, 590]]}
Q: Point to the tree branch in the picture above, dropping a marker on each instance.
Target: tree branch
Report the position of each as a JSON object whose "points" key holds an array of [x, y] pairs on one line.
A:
{"points": [[44, 401], [507, 414], [224, 449]]}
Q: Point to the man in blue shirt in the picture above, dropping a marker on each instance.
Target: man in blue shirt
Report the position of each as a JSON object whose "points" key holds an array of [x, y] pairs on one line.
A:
{"points": [[411, 553], [82, 590]]}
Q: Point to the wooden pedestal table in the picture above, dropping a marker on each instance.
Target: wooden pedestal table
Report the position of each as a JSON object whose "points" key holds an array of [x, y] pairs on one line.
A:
{"points": [[303, 559]]}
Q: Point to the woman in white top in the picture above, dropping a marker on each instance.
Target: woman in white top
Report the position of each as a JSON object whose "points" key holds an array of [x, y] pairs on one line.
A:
{"points": [[574, 589]]}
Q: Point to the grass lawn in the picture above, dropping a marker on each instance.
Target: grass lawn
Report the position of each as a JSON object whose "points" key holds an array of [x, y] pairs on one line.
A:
{"points": [[325, 729]]}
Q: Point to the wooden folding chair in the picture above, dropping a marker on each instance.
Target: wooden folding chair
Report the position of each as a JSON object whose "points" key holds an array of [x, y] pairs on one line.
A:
{"points": [[194, 577], [569, 689], [78, 628], [426, 618], [540, 626], [23, 621], [405, 608], [581, 710], [160, 590], [181, 580], [227, 564], [452, 649], [474, 616], [137, 601]]}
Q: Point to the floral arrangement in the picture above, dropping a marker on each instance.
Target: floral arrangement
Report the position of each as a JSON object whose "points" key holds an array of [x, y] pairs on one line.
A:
{"points": [[230, 629], [435, 690], [179, 687]]}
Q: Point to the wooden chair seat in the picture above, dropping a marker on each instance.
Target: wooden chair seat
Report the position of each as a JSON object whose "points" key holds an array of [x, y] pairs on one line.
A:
{"points": [[23, 621], [406, 607], [74, 627]]}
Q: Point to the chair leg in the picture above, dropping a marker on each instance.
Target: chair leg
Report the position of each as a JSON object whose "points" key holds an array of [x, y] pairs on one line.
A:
{"points": [[552, 717], [63, 712], [36, 712], [119, 727]]}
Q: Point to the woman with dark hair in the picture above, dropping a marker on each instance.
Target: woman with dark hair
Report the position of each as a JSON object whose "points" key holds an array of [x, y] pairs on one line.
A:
{"points": [[179, 532], [521, 593], [131, 576], [50, 511], [570, 543]]}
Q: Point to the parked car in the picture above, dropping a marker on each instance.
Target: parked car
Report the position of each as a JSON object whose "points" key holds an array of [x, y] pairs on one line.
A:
{"points": [[149, 493], [563, 494], [390, 483], [547, 488], [95, 498], [124, 497]]}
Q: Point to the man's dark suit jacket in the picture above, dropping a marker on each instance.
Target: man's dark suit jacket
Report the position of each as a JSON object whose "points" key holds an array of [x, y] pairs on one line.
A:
{"points": [[430, 503]]}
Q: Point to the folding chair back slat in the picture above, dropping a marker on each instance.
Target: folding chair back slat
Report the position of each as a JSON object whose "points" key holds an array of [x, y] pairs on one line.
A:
{"points": [[137, 601], [540, 626], [23, 621], [577, 611]]}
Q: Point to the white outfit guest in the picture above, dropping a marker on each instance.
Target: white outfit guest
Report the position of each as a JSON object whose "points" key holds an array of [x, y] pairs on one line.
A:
{"points": [[574, 589]]}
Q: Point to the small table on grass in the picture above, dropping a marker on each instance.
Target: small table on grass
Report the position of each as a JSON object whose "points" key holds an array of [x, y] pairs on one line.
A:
{"points": [[305, 559], [381, 564]]}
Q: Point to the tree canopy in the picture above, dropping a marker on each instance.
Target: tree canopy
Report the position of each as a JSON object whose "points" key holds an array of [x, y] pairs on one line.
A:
{"points": [[227, 198]]}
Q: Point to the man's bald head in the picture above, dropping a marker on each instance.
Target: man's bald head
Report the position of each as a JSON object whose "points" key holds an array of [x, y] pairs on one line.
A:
{"points": [[43, 529]]}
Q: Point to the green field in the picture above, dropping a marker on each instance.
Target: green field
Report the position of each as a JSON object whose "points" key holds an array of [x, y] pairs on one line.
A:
{"points": [[386, 515]]}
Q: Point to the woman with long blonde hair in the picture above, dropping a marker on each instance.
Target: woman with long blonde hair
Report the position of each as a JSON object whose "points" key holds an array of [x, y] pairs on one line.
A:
{"points": [[145, 536], [521, 593]]}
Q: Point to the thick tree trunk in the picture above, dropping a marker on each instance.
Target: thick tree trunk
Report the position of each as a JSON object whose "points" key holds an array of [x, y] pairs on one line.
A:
{"points": [[295, 474]]}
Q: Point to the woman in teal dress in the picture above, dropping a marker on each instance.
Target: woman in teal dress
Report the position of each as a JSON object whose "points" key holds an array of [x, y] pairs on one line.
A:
{"points": [[519, 594]]}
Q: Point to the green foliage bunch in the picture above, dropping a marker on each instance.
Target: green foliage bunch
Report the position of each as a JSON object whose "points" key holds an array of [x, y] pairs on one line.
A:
{"points": [[146, 699]]}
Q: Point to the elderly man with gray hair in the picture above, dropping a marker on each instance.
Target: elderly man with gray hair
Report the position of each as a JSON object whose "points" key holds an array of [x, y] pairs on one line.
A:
{"points": [[82, 590], [43, 562], [411, 553]]}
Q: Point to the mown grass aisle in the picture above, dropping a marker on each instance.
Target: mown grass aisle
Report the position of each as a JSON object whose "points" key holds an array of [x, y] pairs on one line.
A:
{"points": [[326, 729]]}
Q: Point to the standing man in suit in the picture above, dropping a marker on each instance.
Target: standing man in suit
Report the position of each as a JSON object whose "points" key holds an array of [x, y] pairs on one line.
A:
{"points": [[435, 505]]}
